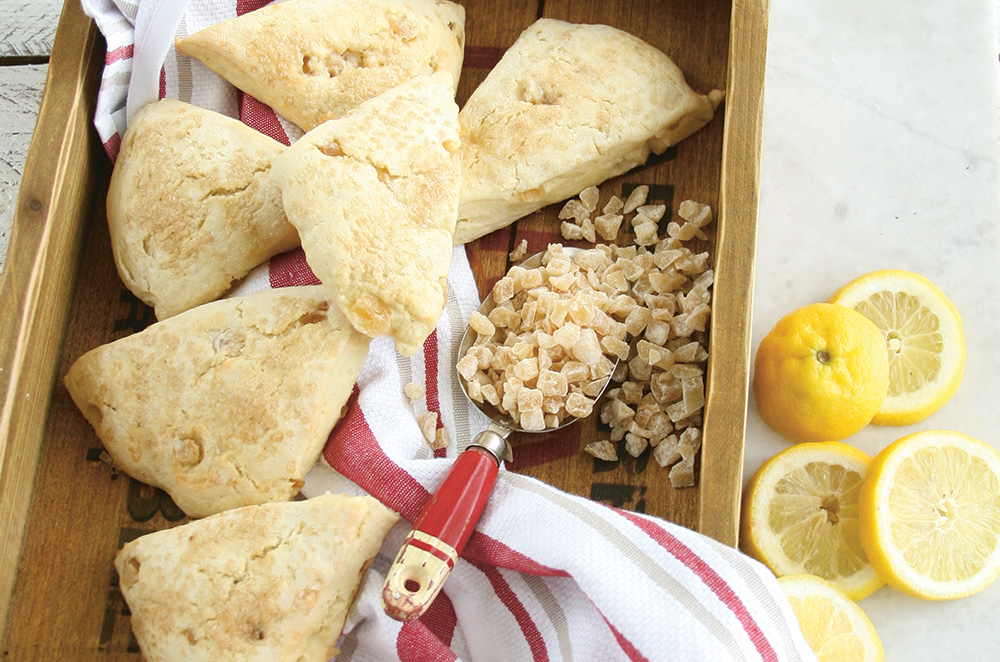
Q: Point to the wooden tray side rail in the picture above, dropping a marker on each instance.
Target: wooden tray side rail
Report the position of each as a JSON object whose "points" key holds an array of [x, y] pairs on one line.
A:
{"points": [[40, 272], [732, 298]]}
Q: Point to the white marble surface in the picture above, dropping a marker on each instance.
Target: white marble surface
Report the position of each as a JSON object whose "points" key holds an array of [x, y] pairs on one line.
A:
{"points": [[880, 150]]}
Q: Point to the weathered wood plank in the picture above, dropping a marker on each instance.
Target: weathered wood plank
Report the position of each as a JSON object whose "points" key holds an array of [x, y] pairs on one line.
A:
{"points": [[27, 27], [20, 93], [37, 285]]}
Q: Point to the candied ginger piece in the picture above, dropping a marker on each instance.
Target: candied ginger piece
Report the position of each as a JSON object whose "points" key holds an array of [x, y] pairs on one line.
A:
{"points": [[589, 197], [652, 212], [682, 474], [529, 398], [636, 199], [440, 439], [526, 369], [579, 405], [696, 213], [613, 206], [533, 420], [575, 372], [428, 424], [639, 369], [602, 450], [637, 320], [646, 234], [634, 444], [503, 289], [616, 413], [519, 251], [574, 209], [490, 394], [594, 387], [468, 366], [614, 346], [688, 352], [481, 324], [567, 335], [570, 231], [414, 392], [587, 349], [532, 278], [552, 384], [682, 232], [608, 225]]}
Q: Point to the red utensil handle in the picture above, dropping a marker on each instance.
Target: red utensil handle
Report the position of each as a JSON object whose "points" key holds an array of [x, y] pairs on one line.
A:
{"points": [[454, 510], [439, 535]]}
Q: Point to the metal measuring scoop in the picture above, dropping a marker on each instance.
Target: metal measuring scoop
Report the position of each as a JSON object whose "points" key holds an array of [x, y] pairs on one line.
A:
{"points": [[447, 521]]}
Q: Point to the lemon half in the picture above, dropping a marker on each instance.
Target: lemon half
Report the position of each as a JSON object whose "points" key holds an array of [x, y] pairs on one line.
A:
{"points": [[800, 515], [924, 335], [930, 514], [835, 628]]}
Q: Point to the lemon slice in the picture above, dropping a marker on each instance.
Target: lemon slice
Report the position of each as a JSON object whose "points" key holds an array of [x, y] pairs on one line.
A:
{"points": [[800, 515], [923, 331], [835, 628], [930, 514]]}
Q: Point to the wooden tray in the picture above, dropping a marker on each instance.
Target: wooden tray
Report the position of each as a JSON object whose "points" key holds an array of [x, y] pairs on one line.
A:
{"points": [[64, 512]]}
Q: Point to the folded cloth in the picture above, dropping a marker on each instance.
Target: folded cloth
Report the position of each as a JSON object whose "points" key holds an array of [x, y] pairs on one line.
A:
{"points": [[547, 575]]}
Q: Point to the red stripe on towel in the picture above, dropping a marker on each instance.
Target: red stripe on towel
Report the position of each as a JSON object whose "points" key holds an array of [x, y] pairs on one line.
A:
{"points": [[710, 578], [120, 53], [539, 653]]}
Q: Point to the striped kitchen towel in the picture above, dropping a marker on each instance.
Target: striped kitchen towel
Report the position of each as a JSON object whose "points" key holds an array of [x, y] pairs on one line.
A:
{"points": [[547, 575]]}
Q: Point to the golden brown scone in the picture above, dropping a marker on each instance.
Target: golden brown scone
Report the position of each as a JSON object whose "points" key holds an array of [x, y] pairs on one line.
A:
{"points": [[225, 405], [192, 206], [374, 196], [567, 107], [268, 583], [314, 60]]}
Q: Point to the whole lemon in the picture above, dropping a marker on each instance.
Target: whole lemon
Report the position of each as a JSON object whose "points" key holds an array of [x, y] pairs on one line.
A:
{"points": [[821, 374]]}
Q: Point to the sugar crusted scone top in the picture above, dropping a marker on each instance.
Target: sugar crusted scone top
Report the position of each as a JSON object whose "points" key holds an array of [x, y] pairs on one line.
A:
{"points": [[191, 206], [374, 196], [565, 94], [313, 60], [227, 404], [269, 582]]}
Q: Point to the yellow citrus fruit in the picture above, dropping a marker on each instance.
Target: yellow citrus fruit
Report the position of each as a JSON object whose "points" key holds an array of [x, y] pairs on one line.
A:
{"points": [[800, 515], [835, 628], [923, 331], [821, 373], [930, 514]]}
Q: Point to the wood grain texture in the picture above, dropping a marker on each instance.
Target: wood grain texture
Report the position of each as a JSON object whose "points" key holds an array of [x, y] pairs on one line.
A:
{"points": [[28, 27], [20, 93], [37, 284], [721, 475]]}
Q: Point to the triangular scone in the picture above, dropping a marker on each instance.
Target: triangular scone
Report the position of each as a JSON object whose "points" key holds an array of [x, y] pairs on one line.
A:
{"points": [[271, 582], [228, 404], [192, 206], [567, 107], [374, 196], [314, 60]]}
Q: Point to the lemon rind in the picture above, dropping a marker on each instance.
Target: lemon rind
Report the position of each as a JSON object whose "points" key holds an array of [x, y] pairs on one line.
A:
{"points": [[918, 405], [875, 521], [762, 544]]}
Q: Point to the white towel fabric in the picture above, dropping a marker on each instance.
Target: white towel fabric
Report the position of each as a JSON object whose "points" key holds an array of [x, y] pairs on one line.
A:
{"points": [[547, 575]]}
